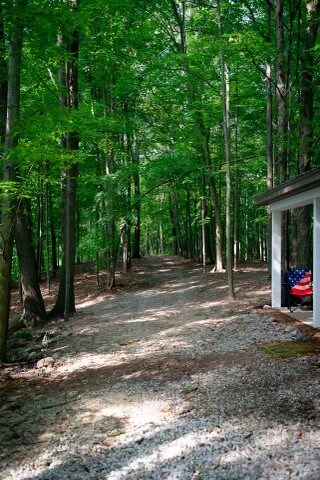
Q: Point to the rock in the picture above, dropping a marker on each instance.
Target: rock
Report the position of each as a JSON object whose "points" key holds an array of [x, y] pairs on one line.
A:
{"points": [[66, 334], [266, 306], [34, 348], [182, 409], [34, 355], [300, 336], [291, 329], [45, 362]]}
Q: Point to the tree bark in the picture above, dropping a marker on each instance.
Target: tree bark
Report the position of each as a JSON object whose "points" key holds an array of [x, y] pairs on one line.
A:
{"points": [[282, 124], [174, 226], [202, 140], [33, 305], [203, 225], [225, 90], [137, 204], [5, 227], [9, 175], [3, 79], [47, 221], [269, 129], [111, 249], [65, 302], [236, 195], [281, 93], [306, 127]]}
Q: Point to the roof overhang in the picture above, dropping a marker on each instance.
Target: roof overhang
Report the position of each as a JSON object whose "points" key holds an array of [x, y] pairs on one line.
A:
{"points": [[294, 193]]}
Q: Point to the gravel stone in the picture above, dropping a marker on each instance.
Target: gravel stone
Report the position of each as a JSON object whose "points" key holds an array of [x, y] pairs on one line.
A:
{"points": [[168, 381]]}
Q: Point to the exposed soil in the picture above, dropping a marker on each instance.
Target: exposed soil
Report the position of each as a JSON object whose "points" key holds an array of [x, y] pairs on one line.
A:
{"points": [[114, 362]]}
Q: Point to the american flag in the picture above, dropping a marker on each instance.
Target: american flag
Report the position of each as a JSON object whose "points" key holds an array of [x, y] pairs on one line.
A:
{"points": [[299, 280]]}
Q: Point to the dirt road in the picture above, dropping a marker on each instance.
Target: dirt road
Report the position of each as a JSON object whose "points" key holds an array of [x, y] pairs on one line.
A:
{"points": [[165, 379]]}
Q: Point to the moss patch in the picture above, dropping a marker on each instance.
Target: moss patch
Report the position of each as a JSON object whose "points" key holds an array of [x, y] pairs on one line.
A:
{"points": [[291, 349]]}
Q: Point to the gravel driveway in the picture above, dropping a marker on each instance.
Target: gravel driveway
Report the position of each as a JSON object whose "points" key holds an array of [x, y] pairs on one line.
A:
{"points": [[166, 379]]}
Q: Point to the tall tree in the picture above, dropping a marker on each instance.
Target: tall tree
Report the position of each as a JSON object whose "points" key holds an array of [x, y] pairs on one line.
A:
{"points": [[65, 302], [281, 93], [9, 171], [202, 134], [269, 126], [311, 18], [3, 78], [33, 305], [225, 97], [136, 247]]}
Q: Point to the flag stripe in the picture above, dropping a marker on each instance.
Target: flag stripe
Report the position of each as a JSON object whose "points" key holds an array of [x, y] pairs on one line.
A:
{"points": [[303, 288]]}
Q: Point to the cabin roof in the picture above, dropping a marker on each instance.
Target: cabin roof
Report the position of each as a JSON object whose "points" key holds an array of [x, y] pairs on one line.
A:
{"points": [[300, 184]]}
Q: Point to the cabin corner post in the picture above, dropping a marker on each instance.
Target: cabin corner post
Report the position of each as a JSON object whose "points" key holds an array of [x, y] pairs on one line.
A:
{"points": [[316, 262], [276, 259]]}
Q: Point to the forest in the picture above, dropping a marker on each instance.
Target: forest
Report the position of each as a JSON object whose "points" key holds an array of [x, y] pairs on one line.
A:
{"points": [[136, 128]]}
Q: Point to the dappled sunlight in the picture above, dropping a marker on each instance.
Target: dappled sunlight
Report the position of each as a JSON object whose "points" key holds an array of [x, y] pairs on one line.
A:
{"points": [[166, 379], [182, 290], [93, 301], [172, 323], [178, 448], [185, 284], [180, 287], [225, 445], [212, 304], [88, 361], [151, 316], [172, 444], [257, 293], [135, 413], [92, 330]]}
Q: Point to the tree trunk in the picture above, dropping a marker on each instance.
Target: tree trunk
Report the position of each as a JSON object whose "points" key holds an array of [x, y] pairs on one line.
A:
{"points": [[137, 204], [30, 270], [190, 236], [176, 223], [65, 302], [161, 249], [281, 93], [47, 221], [33, 304], [173, 225], [54, 255], [9, 175], [111, 250], [306, 127], [39, 232], [202, 141], [225, 82], [70, 234], [3, 79], [282, 127], [5, 227], [236, 196], [203, 225], [125, 252], [269, 129]]}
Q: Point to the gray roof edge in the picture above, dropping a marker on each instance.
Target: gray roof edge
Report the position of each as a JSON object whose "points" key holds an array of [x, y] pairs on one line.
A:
{"points": [[299, 184]]}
